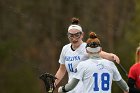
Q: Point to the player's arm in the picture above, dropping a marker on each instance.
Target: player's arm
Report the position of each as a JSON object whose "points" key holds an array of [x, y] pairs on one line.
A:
{"points": [[123, 85], [60, 73], [118, 79], [132, 88], [62, 68], [132, 81], [110, 56], [69, 86]]}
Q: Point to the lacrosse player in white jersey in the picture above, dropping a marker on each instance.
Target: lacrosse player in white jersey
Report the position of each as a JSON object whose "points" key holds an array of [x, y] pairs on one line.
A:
{"points": [[96, 73], [73, 53]]}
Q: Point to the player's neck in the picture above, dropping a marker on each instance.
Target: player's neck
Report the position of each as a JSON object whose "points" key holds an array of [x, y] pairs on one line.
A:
{"points": [[75, 46], [95, 55]]}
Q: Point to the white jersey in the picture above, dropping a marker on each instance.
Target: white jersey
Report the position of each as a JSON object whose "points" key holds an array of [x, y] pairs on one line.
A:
{"points": [[97, 75], [71, 59]]}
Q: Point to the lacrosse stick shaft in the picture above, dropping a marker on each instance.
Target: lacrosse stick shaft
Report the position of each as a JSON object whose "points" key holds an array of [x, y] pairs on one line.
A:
{"points": [[123, 69]]}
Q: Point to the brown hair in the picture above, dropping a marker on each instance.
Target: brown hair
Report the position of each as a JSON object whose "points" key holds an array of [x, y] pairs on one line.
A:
{"points": [[75, 21], [93, 38], [138, 54]]}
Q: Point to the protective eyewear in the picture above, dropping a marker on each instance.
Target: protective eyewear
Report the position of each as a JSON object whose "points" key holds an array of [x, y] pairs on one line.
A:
{"points": [[93, 45], [76, 35]]}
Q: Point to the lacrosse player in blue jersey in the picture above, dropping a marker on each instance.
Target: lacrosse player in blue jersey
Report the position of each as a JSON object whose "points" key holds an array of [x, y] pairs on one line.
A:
{"points": [[96, 73]]}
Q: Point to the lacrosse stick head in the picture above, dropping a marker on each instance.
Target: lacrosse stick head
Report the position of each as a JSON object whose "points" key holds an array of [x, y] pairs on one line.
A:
{"points": [[49, 81]]}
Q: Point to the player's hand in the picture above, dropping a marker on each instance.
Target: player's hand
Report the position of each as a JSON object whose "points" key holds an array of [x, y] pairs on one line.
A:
{"points": [[116, 58], [60, 90], [125, 92]]}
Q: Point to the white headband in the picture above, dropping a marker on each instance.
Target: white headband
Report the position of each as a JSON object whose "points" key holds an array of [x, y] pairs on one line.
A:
{"points": [[75, 27], [93, 50]]}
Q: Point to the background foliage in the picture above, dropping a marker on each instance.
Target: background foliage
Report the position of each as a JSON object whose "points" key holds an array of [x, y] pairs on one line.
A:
{"points": [[32, 33]]}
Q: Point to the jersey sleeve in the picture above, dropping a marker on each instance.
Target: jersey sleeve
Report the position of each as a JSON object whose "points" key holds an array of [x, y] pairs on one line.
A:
{"points": [[132, 73], [116, 74], [62, 57], [80, 71]]}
